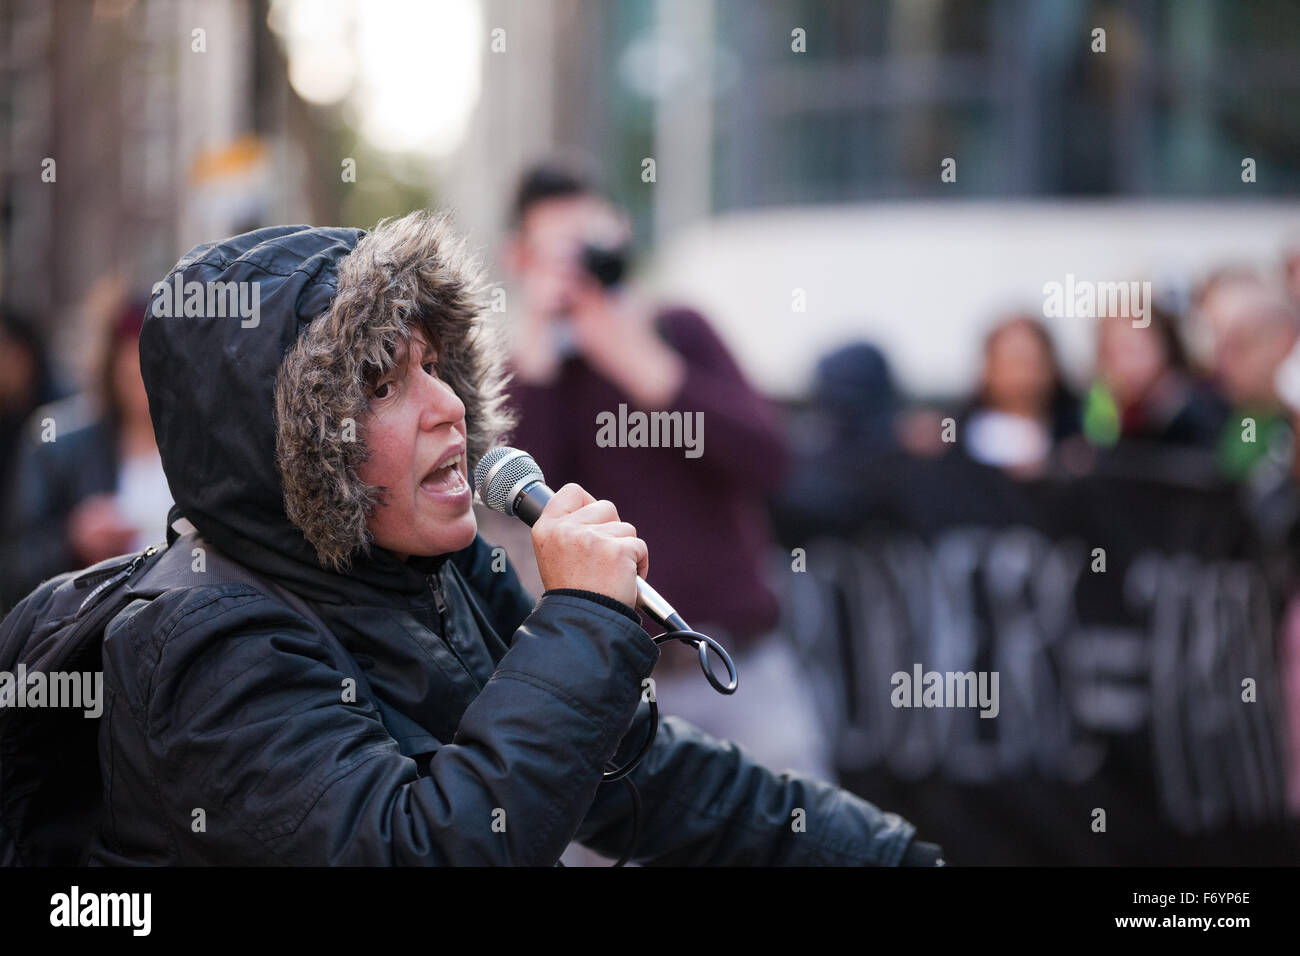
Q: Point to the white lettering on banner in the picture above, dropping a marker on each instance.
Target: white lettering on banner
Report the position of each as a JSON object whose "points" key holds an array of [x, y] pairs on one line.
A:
{"points": [[1006, 601]]}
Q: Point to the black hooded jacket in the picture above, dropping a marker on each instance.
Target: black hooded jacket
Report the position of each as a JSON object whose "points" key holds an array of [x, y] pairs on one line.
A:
{"points": [[442, 717]]}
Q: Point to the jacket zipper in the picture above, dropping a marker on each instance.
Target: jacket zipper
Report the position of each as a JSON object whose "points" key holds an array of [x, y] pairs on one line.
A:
{"points": [[94, 577], [122, 575], [438, 601], [441, 604]]}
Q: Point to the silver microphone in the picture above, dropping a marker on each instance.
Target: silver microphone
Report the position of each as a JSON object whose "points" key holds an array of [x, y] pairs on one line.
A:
{"points": [[508, 481]]}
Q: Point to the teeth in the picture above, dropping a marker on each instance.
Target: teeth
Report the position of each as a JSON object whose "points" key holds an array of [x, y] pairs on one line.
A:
{"points": [[449, 472], [451, 463]]}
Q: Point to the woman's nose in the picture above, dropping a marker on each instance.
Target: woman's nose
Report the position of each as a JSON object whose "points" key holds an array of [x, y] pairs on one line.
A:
{"points": [[441, 404]]}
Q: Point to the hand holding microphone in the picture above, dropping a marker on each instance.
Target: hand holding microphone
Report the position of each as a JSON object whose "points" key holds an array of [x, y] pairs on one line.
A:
{"points": [[581, 543]]}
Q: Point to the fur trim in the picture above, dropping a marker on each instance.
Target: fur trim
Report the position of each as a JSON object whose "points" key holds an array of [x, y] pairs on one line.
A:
{"points": [[407, 273]]}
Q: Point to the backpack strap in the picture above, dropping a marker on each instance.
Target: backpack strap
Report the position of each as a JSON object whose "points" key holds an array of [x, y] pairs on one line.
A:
{"points": [[174, 569]]}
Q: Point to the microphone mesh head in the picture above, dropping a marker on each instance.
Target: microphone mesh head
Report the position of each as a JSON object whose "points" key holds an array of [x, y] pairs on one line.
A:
{"points": [[517, 469]]}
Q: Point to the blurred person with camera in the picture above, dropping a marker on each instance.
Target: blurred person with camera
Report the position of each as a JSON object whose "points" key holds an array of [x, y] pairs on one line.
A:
{"points": [[587, 349]]}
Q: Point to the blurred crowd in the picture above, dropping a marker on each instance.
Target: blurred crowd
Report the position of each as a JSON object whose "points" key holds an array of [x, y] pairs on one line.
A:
{"points": [[82, 480], [81, 475], [1238, 409], [1193, 427]]}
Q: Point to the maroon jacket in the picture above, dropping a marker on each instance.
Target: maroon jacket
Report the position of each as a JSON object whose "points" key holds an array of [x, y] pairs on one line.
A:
{"points": [[703, 518]]}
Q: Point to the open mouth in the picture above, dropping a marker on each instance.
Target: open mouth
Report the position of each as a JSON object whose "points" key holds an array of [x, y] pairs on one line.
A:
{"points": [[449, 479]]}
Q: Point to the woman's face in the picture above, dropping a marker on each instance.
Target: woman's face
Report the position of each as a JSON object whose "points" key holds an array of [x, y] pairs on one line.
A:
{"points": [[415, 422], [1018, 374], [1129, 360]]}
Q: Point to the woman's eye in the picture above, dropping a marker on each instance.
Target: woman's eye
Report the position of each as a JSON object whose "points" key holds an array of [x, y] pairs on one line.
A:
{"points": [[431, 368], [381, 391]]}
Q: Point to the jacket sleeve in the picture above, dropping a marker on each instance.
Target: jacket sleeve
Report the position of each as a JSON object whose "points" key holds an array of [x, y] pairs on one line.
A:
{"points": [[706, 802], [249, 719]]}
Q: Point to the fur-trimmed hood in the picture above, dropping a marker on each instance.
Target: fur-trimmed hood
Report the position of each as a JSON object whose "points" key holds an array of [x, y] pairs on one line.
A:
{"points": [[259, 413]]}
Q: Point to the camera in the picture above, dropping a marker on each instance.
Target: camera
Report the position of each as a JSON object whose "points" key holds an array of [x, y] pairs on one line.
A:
{"points": [[608, 265]]}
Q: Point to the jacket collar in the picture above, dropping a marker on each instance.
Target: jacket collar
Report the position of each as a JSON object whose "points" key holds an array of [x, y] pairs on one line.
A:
{"points": [[402, 584]]}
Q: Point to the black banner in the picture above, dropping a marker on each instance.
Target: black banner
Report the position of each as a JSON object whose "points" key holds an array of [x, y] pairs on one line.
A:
{"points": [[1096, 659]]}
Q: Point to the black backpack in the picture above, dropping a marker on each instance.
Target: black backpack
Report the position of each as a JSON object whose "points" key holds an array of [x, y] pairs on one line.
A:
{"points": [[50, 786]]}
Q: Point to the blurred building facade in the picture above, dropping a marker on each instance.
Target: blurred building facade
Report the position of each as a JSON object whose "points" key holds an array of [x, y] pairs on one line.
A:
{"points": [[742, 107], [131, 130], [735, 118], [825, 165]]}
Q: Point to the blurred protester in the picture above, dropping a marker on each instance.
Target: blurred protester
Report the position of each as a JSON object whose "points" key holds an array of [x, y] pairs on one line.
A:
{"points": [[89, 482], [1287, 383], [1145, 389], [26, 383], [1291, 271], [585, 349], [1023, 407], [1215, 281], [1255, 326], [1289, 671], [839, 446]]}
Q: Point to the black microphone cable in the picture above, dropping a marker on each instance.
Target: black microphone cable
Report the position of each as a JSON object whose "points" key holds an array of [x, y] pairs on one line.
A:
{"points": [[704, 643]]}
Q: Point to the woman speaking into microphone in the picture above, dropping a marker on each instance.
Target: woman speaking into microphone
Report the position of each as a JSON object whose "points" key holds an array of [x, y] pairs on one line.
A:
{"points": [[374, 686]]}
